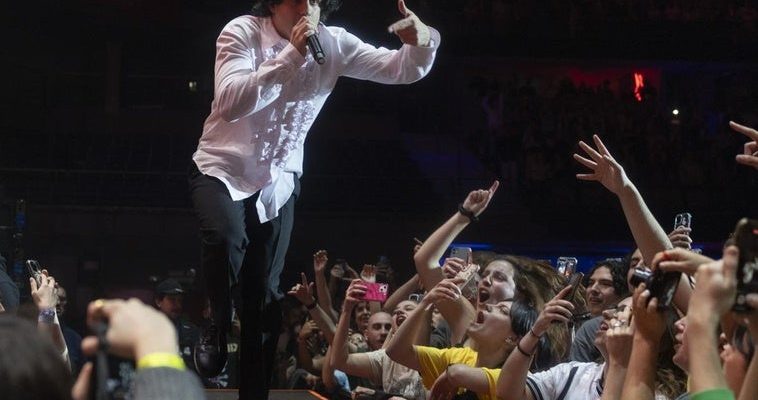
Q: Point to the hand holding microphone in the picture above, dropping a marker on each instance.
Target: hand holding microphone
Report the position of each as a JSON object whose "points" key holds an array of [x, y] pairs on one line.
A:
{"points": [[304, 34]]}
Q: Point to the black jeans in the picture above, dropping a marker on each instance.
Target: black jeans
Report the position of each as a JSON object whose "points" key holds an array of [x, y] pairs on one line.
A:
{"points": [[238, 249]]}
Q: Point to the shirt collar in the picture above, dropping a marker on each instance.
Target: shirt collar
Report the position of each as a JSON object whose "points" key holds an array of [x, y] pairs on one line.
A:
{"points": [[270, 37]]}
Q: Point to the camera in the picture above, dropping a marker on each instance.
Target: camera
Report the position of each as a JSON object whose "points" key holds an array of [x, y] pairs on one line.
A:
{"points": [[746, 239], [662, 285], [112, 375]]}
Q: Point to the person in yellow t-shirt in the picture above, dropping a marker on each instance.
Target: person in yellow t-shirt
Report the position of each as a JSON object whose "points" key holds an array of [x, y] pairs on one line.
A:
{"points": [[449, 371]]}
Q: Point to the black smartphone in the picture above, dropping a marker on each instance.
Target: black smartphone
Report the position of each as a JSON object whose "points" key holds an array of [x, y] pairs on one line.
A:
{"points": [[662, 285], [746, 239], [573, 281], [683, 220]]}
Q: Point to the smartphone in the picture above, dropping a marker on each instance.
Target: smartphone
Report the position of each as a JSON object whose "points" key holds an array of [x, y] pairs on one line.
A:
{"points": [[376, 291], [574, 281], [470, 286], [35, 271], [566, 266], [683, 220], [746, 239], [464, 253]]}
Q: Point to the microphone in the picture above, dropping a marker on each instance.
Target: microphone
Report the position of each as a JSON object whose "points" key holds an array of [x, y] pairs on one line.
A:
{"points": [[315, 47]]}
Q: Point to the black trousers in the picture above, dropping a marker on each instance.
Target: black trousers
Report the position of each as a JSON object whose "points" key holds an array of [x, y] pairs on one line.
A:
{"points": [[237, 249]]}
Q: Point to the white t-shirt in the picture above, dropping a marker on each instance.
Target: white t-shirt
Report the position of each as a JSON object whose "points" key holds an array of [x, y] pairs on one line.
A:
{"points": [[585, 384]]}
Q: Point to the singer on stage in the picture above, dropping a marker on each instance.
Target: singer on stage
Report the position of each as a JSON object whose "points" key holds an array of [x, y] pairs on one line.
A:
{"points": [[245, 175]]}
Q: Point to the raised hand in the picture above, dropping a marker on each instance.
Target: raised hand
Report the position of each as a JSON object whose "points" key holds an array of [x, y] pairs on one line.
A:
{"points": [[478, 200], [750, 153], [320, 258], [453, 266], [605, 169], [354, 293], [649, 322], [45, 295], [679, 260], [716, 286], [308, 328], [556, 309], [618, 341], [368, 273], [134, 329], [446, 290], [303, 291], [410, 29], [680, 237]]}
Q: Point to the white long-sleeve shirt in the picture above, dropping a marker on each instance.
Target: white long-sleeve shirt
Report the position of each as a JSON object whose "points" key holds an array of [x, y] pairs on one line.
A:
{"points": [[267, 96]]}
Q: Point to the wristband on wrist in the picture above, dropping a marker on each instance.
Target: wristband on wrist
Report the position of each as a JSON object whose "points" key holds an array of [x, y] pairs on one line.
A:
{"points": [[468, 214], [46, 315], [312, 306], [161, 360], [531, 331], [520, 350]]}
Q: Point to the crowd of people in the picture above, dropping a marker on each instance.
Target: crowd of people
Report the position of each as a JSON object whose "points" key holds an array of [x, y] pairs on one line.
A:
{"points": [[530, 122], [481, 325]]}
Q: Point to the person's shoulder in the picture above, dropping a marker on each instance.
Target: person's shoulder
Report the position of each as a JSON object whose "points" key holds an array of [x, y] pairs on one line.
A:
{"points": [[336, 32], [245, 22]]}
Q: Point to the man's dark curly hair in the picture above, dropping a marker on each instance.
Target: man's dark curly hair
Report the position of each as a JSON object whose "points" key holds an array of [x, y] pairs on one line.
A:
{"points": [[618, 273], [262, 8]]}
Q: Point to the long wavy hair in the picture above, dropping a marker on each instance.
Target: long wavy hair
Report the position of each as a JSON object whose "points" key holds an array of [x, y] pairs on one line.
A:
{"points": [[536, 283], [670, 380]]}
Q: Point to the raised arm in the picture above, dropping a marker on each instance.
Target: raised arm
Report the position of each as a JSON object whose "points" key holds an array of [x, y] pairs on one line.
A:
{"points": [[402, 293], [458, 313], [323, 294], [303, 292], [511, 385], [408, 64], [713, 297], [618, 343], [357, 364], [750, 384], [650, 325], [647, 233], [402, 347], [46, 299]]}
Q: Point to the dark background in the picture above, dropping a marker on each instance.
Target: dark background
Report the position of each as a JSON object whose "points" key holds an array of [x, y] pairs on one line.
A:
{"points": [[99, 124]]}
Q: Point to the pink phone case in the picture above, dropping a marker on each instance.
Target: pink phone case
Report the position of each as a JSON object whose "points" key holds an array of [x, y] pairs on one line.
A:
{"points": [[376, 291]]}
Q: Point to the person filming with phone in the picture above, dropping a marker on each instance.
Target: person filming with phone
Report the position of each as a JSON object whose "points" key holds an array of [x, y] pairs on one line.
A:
{"points": [[245, 174]]}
